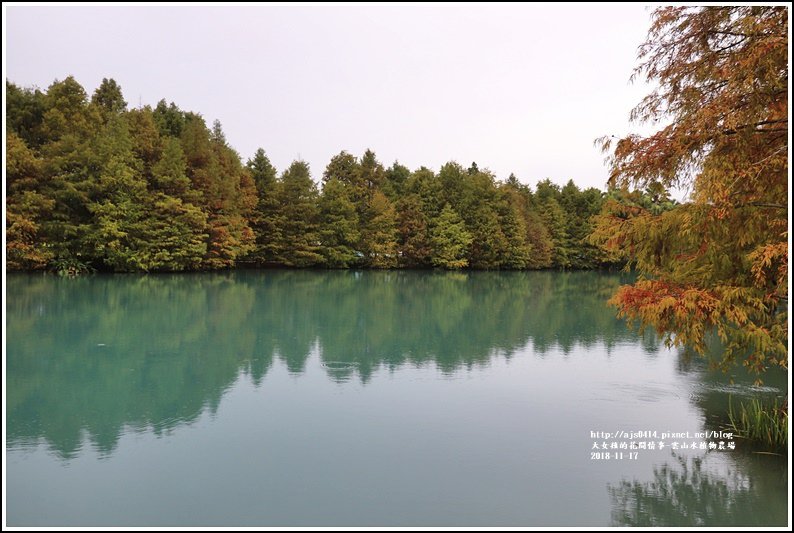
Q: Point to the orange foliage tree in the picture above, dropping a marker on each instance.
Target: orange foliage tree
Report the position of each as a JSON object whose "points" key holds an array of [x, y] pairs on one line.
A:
{"points": [[718, 262]]}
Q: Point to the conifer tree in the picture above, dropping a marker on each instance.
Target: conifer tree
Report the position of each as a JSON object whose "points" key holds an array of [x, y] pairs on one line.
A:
{"points": [[450, 240], [719, 262], [298, 242], [338, 225]]}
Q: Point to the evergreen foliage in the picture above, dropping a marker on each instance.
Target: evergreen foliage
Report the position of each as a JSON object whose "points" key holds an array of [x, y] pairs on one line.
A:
{"points": [[94, 185]]}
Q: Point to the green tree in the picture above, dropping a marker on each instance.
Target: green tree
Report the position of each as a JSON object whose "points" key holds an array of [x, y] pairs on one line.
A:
{"points": [[25, 207], [371, 172], [580, 206], [346, 169], [379, 233], [541, 245], [73, 155], [169, 118], [489, 245], [413, 232], [338, 225], [146, 140], [264, 219], [537, 246], [226, 193], [25, 110], [117, 231], [217, 136], [394, 182], [174, 237], [515, 231], [169, 172], [68, 116], [547, 201], [556, 221], [450, 240], [176, 228], [108, 97], [299, 239], [425, 184], [451, 185]]}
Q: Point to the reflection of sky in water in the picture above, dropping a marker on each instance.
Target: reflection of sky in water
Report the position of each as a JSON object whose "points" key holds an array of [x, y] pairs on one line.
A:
{"points": [[398, 398]]}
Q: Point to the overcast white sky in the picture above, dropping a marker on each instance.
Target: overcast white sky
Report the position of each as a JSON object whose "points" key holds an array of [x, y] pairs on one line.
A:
{"points": [[516, 88]]}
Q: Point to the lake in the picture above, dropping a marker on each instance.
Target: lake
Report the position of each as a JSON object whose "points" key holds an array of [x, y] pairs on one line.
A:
{"points": [[398, 398]]}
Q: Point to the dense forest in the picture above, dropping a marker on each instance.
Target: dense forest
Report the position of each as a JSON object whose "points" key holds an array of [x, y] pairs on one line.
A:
{"points": [[94, 185]]}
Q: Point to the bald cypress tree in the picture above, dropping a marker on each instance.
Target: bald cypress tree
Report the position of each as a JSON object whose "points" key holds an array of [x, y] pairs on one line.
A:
{"points": [[339, 234], [264, 215], [720, 78], [379, 234], [450, 240], [298, 242]]}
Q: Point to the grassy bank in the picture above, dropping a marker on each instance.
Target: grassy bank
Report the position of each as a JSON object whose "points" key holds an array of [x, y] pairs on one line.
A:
{"points": [[765, 423]]}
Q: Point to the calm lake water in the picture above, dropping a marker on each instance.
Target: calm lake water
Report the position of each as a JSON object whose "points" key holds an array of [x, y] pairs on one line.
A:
{"points": [[294, 398]]}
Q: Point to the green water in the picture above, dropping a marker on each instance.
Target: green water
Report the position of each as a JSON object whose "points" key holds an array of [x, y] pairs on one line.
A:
{"points": [[295, 398]]}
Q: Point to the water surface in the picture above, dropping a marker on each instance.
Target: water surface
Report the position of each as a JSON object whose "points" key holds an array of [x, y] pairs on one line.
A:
{"points": [[297, 398]]}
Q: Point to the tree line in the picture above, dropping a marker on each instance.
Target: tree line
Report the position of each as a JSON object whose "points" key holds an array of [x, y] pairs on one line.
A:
{"points": [[93, 185]]}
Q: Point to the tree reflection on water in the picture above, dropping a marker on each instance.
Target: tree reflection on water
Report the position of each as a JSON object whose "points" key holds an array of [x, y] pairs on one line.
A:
{"points": [[685, 492]]}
